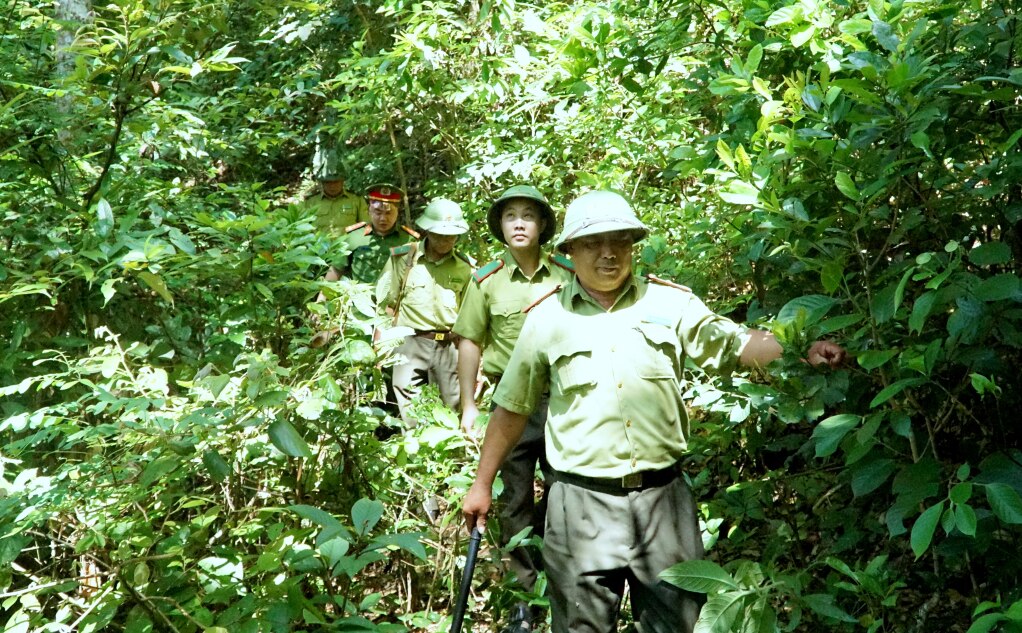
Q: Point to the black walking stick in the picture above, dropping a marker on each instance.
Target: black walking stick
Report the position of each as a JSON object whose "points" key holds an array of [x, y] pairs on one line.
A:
{"points": [[466, 580]]}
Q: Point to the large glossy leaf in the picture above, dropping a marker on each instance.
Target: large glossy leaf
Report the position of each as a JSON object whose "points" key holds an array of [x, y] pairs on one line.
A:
{"points": [[719, 613], [924, 528], [365, 514], [287, 439], [828, 433], [824, 604], [700, 576], [1005, 502]]}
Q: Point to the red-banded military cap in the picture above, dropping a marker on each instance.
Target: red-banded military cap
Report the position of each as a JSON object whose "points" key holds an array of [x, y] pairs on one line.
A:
{"points": [[385, 192]]}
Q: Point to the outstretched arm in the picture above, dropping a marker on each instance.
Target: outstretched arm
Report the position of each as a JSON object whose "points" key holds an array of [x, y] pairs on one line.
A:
{"points": [[763, 348]]}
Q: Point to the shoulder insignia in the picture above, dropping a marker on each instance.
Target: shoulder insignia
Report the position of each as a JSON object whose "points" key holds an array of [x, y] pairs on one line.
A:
{"points": [[468, 259], [410, 231], [664, 282], [354, 227], [487, 270], [563, 262], [400, 250], [535, 303]]}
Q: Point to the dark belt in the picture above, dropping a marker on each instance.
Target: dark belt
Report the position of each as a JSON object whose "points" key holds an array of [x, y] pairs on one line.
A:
{"points": [[436, 335], [631, 482]]}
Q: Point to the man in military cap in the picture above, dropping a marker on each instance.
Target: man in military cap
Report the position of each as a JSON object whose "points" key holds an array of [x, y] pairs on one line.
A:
{"points": [[489, 322], [421, 288], [334, 206], [369, 243], [610, 347]]}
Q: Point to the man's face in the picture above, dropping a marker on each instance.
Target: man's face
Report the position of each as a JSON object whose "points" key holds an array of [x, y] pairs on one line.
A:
{"points": [[333, 187], [603, 261], [522, 223], [383, 216], [441, 245]]}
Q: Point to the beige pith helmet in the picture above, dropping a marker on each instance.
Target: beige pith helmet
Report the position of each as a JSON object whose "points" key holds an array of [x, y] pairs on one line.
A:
{"points": [[599, 212], [443, 217]]}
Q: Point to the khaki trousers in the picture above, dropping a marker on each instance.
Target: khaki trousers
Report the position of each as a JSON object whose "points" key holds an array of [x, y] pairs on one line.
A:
{"points": [[595, 542], [428, 362]]}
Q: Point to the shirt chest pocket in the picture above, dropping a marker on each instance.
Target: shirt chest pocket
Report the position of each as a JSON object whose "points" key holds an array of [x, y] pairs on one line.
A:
{"points": [[658, 357], [506, 320], [571, 367]]}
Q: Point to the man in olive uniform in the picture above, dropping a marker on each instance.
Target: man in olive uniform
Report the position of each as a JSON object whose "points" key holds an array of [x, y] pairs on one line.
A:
{"points": [[369, 243], [334, 206], [489, 322], [610, 347], [421, 288]]}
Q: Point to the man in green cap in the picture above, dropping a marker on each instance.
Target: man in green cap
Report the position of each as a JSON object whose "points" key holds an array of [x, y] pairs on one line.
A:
{"points": [[421, 288], [335, 207], [489, 323], [610, 347]]}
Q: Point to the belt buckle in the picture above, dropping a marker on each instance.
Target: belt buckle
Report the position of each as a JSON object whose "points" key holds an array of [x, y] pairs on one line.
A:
{"points": [[439, 336], [631, 480]]}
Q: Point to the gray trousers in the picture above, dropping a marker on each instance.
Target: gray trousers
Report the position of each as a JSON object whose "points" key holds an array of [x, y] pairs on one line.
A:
{"points": [[429, 362], [518, 508], [595, 542]]}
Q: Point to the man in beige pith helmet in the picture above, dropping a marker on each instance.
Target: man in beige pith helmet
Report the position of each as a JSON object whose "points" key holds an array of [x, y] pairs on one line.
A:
{"points": [[333, 205], [421, 288], [610, 347]]}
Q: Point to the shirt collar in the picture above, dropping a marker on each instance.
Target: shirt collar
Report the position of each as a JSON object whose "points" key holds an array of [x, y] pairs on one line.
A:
{"points": [[629, 294], [512, 265]]}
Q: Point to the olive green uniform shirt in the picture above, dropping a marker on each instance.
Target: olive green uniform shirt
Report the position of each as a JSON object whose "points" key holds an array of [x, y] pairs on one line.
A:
{"points": [[492, 313], [369, 252], [433, 290], [615, 375], [334, 214]]}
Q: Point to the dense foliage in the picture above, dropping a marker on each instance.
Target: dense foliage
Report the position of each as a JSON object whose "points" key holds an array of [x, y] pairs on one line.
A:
{"points": [[176, 458]]}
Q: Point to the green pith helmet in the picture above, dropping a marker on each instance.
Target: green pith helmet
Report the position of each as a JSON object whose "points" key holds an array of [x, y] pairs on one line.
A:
{"points": [[443, 217], [527, 192], [599, 212]]}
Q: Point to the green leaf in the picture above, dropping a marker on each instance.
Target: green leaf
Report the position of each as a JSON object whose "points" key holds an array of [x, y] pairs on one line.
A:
{"points": [[104, 218], [411, 543], [1005, 503], [754, 58], [287, 440], [869, 476], [157, 469], [986, 623], [892, 390], [990, 254], [920, 310], [965, 519], [999, 288], [846, 185], [824, 604], [216, 466], [699, 576], [924, 528], [156, 283], [828, 434], [10, 548], [719, 613], [365, 514], [334, 550], [811, 307], [885, 36], [740, 192], [785, 15], [871, 359], [961, 492]]}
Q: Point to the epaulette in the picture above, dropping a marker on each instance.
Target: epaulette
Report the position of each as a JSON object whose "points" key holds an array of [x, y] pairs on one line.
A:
{"points": [[487, 270], [664, 282], [468, 259], [535, 303], [410, 231], [354, 227], [563, 262], [400, 250]]}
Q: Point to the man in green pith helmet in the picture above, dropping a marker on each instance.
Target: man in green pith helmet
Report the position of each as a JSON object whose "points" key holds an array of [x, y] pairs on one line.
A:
{"points": [[489, 323], [610, 347], [334, 206], [421, 288]]}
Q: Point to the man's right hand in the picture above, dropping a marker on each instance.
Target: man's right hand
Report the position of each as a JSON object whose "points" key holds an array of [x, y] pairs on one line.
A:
{"points": [[469, 414], [476, 506]]}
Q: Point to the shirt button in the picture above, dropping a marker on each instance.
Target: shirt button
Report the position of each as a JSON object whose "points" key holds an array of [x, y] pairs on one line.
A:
{"points": [[634, 462], [620, 385], [628, 423]]}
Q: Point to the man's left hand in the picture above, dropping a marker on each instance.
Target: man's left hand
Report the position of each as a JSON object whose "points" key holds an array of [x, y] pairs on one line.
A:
{"points": [[826, 353]]}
